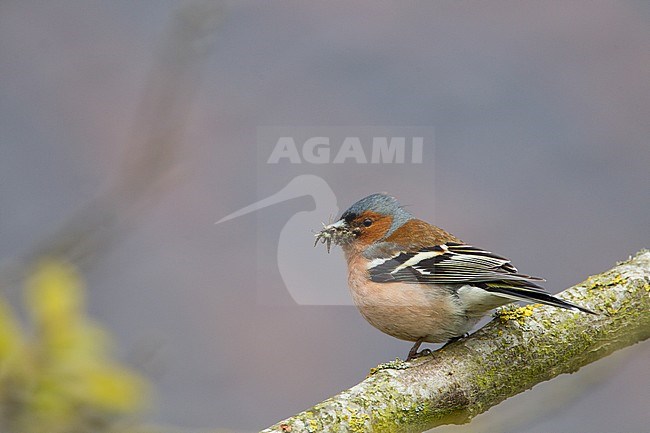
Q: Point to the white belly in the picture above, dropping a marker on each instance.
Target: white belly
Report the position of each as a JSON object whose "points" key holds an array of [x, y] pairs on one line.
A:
{"points": [[477, 302]]}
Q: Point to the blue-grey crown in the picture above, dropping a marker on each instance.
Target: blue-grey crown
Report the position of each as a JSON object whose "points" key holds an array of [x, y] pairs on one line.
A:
{"points": [[383, 204]]}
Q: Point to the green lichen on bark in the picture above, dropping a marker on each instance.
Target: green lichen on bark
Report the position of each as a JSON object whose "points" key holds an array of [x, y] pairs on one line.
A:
{"points": [[523, 347]]}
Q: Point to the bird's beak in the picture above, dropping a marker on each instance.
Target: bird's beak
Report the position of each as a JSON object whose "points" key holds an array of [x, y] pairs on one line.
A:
{"points": [[338, 232], [340, 224]]}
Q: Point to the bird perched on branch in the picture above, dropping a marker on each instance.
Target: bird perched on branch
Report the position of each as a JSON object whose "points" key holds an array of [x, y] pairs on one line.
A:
{"points": [[417, 282]]}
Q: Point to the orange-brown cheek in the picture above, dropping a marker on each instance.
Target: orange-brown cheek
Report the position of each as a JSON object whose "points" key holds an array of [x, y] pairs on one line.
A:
{"points": [[376, 231]]}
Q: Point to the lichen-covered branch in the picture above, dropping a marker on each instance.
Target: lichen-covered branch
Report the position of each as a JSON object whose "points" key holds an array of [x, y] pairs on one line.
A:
{"points": [[523, 346]]}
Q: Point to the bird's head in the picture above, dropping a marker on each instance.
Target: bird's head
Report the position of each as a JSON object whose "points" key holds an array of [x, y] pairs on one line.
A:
{"points": [[370, 220]]}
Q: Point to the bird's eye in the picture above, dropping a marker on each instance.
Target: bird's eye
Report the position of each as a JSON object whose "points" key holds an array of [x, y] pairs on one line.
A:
{"points": [[367, 222]]}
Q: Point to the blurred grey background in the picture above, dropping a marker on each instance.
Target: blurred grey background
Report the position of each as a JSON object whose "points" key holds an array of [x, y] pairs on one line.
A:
{"points": [[541, 116]]}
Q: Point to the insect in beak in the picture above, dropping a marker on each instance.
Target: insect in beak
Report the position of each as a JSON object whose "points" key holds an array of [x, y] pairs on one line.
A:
{"points": [[337, 233]]}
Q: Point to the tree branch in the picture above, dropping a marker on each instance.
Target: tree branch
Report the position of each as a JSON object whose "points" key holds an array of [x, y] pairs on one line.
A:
{"points": [[523, 346]]}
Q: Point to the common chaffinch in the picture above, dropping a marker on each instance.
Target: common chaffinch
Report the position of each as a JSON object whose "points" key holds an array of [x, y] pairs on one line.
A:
{"points": [[417, 282]]}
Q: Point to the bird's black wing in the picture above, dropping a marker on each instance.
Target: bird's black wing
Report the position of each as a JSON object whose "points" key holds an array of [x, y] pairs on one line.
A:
{"points": [[459, 264], [450, 263]]}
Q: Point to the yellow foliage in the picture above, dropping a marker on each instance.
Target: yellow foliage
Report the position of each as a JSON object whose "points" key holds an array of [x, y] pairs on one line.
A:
{"points": [[113, 388], [11, 338], [54, 294], [61, 379]]}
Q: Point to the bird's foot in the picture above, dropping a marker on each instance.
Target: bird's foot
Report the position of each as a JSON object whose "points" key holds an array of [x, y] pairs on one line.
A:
{"points": [[413, 353], [416, 355], [455, 339]]}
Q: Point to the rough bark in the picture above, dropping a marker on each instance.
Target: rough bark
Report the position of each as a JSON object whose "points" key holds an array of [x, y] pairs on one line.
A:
{"points": [[523, 346]]}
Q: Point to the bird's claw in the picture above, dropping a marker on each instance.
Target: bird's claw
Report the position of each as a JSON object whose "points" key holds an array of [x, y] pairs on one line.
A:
{"points": [[455, 339], [416, 355]]}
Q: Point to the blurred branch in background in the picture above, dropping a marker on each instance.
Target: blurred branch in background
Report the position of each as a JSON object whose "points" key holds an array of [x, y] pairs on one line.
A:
{"points": [[56, 370], [152, 152], [525, 346]]}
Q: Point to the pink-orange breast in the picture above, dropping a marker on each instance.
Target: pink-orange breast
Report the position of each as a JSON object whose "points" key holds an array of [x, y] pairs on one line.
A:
{"points": [[405, 311]]}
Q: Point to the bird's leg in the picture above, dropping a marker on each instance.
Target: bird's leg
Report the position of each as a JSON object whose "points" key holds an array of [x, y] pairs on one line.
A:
{"points": [[414, 350], [413, 353], [455, 339]]}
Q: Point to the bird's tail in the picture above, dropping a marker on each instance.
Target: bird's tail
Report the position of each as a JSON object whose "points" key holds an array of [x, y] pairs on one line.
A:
{"points": [[532, 294]]}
